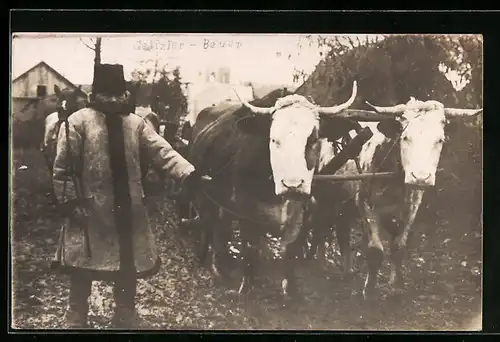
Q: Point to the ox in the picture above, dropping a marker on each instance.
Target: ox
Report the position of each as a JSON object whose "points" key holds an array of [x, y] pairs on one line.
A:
{"points": [[262, 157], [67, 102], [409, 143]]}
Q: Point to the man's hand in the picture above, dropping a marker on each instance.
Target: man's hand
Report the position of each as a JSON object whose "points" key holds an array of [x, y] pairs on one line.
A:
{"points": [[193, 182]]}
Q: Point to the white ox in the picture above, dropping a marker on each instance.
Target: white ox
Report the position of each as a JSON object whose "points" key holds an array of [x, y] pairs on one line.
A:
{"points": [[410, 142], [67, 102]]}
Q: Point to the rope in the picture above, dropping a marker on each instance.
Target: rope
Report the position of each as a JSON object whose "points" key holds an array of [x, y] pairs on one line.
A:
{"points": [[234, 213]]}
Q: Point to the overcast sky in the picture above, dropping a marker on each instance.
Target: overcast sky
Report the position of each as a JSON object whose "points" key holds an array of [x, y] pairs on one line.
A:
{"points": [[260, 58], [251, 57]]}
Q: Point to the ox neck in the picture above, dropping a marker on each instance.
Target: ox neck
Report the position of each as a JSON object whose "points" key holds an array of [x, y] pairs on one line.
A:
{"points": [[387, 156]]}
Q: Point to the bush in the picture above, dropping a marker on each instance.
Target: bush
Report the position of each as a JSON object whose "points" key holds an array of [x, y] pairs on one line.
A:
{"points": [[460, 181], [27, 134]]}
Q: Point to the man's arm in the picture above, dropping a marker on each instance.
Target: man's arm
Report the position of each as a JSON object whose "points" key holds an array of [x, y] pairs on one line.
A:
{"points": [[163, 154]]}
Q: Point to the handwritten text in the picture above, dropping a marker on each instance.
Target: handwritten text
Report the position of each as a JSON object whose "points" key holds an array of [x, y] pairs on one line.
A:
{"points": [[172, 45]]}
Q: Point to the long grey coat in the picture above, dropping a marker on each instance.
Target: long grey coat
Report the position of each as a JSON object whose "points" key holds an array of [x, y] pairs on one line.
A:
{"points": [[95, 244]]}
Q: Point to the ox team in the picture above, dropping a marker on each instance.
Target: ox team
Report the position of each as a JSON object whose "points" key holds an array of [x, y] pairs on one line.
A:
{"points": [[261, 157]]}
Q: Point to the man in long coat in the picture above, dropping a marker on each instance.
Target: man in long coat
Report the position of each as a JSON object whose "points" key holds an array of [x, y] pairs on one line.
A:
{"points": [[97, 179]]}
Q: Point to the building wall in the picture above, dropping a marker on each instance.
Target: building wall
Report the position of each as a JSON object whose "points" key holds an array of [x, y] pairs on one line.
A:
{"points": [[41, 75], [24, 91], [203, 95]]}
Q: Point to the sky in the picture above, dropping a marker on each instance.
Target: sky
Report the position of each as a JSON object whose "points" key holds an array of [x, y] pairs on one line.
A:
{"points": [[258, 58], [251, 57]]}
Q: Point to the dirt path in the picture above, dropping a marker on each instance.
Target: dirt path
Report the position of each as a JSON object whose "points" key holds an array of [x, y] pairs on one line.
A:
{"points": [[443, 292]]}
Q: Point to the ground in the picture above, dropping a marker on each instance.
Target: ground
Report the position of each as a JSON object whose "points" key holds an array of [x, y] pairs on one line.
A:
{"points": [[442, 274]]}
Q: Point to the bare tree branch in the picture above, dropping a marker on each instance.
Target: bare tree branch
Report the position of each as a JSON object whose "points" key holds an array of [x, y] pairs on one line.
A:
{"points": [[91, 48], [359, 40], [351, 42]]}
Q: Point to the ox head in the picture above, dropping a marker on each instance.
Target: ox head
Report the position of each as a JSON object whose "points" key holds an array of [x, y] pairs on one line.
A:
{"points": [[67, 101], [421, 128], [293, 128]]}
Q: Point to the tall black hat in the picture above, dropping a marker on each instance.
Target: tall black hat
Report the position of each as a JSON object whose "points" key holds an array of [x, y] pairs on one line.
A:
{"points": [[109, 80]]}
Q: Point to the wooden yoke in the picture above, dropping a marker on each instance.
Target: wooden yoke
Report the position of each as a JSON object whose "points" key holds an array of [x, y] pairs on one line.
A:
{"points": [[350, 151]]}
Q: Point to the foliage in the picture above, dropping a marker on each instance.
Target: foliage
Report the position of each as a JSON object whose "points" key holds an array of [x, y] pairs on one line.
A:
{"points": [[392, 69], [169, 92], [27, 134], [167, 96]]}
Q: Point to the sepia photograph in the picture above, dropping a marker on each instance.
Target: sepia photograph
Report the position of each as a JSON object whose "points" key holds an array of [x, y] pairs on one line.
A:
{"points": [[193, 181]]}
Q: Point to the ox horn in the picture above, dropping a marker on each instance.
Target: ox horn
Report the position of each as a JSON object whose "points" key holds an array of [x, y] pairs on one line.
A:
{"points": [[394, 110], [461, 112], [254, 109], [337, 109]]}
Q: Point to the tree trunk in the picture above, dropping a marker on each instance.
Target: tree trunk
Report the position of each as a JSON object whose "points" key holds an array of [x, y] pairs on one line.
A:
{"points": [[97, 59]]}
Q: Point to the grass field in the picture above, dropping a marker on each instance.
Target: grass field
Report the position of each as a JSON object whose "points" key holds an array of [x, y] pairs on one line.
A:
{"points": [[443, 283]]}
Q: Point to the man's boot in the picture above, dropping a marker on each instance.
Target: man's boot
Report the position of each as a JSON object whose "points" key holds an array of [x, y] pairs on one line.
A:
{"points": [[125, 315], [77, 311], [126, 318]]}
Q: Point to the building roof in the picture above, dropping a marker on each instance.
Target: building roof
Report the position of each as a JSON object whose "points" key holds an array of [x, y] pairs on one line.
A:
{"points": [[87, 88], [52, 70], [261, 90]]}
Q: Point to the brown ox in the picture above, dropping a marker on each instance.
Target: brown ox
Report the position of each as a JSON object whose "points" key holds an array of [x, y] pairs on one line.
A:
{"points": [[262, 157]]}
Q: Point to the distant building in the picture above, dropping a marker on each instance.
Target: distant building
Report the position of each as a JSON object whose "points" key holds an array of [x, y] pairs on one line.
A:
{"points": [[211, 75], [261, 90], [210, 87], [86, 88], [206, 94], [35, 84]]}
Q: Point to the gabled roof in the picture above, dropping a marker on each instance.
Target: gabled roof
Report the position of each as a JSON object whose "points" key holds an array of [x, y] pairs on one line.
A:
{"points": [[52, 70]]}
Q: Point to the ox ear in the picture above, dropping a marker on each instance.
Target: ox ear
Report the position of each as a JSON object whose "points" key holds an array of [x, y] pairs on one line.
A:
{"points": [[57, 90], [390, 128], [259, 125]]}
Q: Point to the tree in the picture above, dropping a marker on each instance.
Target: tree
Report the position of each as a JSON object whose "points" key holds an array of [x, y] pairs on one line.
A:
{"points": [[94, 45], [173, 96], [390, 69], [457, 57], [324, 46], [166, 96]]}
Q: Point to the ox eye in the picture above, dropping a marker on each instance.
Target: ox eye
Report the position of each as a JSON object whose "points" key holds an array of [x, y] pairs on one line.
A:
{"points": [[405, 138], [275, 141], [440, 141]]}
